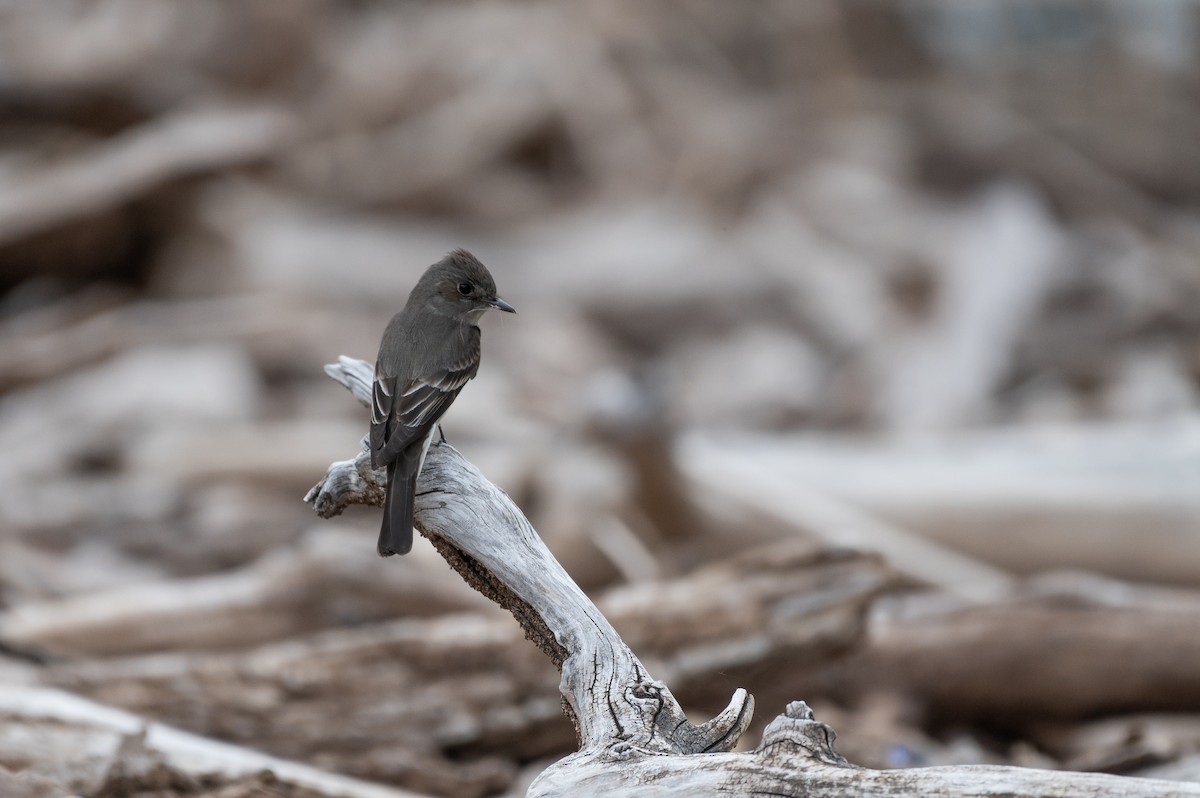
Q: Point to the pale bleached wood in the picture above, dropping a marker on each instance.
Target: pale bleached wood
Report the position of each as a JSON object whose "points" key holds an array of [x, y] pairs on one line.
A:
{"points": [[252, 604], [74, 333], [486, 539], [634, 739], [423, 691], [78, 740], [736, 477], [1019, 498], [115, 171]]}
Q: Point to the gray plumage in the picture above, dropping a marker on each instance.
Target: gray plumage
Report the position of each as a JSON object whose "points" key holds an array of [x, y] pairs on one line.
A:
{"points": [[429, 351]]}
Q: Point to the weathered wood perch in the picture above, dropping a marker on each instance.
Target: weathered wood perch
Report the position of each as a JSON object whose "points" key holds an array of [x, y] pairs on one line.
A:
{"points": [[633, 736]]}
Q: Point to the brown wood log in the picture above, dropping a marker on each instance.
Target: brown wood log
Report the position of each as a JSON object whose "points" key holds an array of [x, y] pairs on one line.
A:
{"points": [[1058, 649]]}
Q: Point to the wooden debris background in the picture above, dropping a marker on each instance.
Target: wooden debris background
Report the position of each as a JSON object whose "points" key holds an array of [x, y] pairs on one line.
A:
{"points": [[858, 362]]}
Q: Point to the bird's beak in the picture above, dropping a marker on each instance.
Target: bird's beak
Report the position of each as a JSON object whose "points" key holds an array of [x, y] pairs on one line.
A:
{"points": [[500, 304]]}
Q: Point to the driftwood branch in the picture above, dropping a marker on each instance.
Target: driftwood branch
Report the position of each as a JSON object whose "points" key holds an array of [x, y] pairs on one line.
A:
{"points": [[634, 738], [105, 751], [484, 537]]}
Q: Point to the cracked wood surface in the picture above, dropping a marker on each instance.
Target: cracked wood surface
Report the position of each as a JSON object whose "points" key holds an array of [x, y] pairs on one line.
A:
{"points": [[634, 738], [611, 698]]}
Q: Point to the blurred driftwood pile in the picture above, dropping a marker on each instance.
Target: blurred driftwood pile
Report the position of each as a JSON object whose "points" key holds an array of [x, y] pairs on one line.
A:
{"points": [[796, 282]]}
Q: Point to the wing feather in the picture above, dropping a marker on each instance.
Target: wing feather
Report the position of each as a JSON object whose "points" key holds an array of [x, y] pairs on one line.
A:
{"points": [[403, 415], [383, 391]]}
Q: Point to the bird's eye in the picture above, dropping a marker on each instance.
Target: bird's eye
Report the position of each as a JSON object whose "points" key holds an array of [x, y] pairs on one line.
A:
{"points": [[465, 289]]}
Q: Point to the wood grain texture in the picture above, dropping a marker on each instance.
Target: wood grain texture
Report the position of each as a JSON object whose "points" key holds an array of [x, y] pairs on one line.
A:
{"points": [[634, 738]]}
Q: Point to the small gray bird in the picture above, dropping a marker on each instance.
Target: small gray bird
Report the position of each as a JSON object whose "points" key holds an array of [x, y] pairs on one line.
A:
{"points": [[429, 351]]}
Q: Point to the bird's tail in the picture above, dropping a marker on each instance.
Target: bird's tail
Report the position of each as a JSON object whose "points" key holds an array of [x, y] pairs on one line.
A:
{"points": [[396, 533]]}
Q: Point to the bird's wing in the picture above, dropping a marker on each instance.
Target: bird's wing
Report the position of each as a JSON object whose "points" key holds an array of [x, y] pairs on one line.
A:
{"points": [[403, 414], [383, 392]]}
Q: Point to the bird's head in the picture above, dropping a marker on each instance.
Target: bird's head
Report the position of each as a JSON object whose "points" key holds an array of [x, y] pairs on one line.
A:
{"points": [[459, 285]]}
